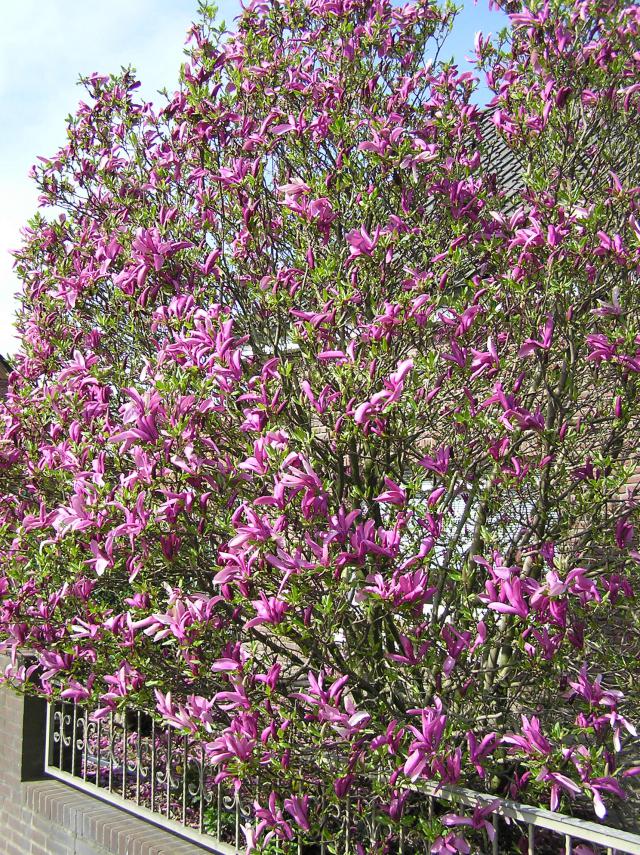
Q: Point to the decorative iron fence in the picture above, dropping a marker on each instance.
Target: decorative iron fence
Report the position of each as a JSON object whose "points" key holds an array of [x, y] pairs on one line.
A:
{"points": [[163, 776]]}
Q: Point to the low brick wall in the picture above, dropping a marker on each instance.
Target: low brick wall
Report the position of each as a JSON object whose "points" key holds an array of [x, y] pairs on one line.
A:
{"points": [[41, 816]]}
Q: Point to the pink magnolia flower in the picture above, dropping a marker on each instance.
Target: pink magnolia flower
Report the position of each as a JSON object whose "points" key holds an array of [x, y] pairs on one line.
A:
{"points": [[409, 656], [450, 844], [272, 818], [531, 345], [427, 739], [76, 692], [511, 600], [531, 740], [322, 213], [294, 188], [361, 242], [342, 785], [479, 751], [559, 784], [269, 610], [593, 692], [298, 807], [477, 821], [603, 785], [393, 495], [624, 533], [439, 462], [229, 746]]}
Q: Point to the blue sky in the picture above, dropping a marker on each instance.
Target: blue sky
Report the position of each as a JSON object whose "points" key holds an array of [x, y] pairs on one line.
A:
{"points": [[46, 44]]}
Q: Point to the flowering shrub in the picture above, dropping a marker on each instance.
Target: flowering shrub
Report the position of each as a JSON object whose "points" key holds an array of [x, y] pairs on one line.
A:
{"points": [[322, 437]]}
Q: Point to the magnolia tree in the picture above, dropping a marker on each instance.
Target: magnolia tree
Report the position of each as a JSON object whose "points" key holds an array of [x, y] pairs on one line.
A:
{"points": [[322, 438]]}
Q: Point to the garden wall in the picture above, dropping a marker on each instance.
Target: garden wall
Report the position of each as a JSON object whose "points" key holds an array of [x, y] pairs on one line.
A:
{"points": [[43, 816]]}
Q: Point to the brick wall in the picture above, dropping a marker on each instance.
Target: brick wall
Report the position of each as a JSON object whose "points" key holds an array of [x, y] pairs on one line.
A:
{"points": [[48, 817]]}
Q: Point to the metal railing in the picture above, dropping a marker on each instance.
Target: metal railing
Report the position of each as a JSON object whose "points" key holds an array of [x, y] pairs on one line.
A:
{"points": [[163, 776]]}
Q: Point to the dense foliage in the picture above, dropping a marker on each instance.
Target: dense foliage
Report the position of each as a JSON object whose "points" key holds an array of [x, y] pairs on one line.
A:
{"points": [[322, 436]]}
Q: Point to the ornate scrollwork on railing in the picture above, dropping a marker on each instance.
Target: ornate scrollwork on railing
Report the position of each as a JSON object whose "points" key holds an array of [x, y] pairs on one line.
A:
{"points": [[57, 721], [199, 794], [90, 749], [67, 736], [80, 733]]}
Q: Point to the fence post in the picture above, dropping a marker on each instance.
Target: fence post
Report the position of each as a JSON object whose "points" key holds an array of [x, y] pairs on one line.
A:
{"points": [[34, 729]]}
